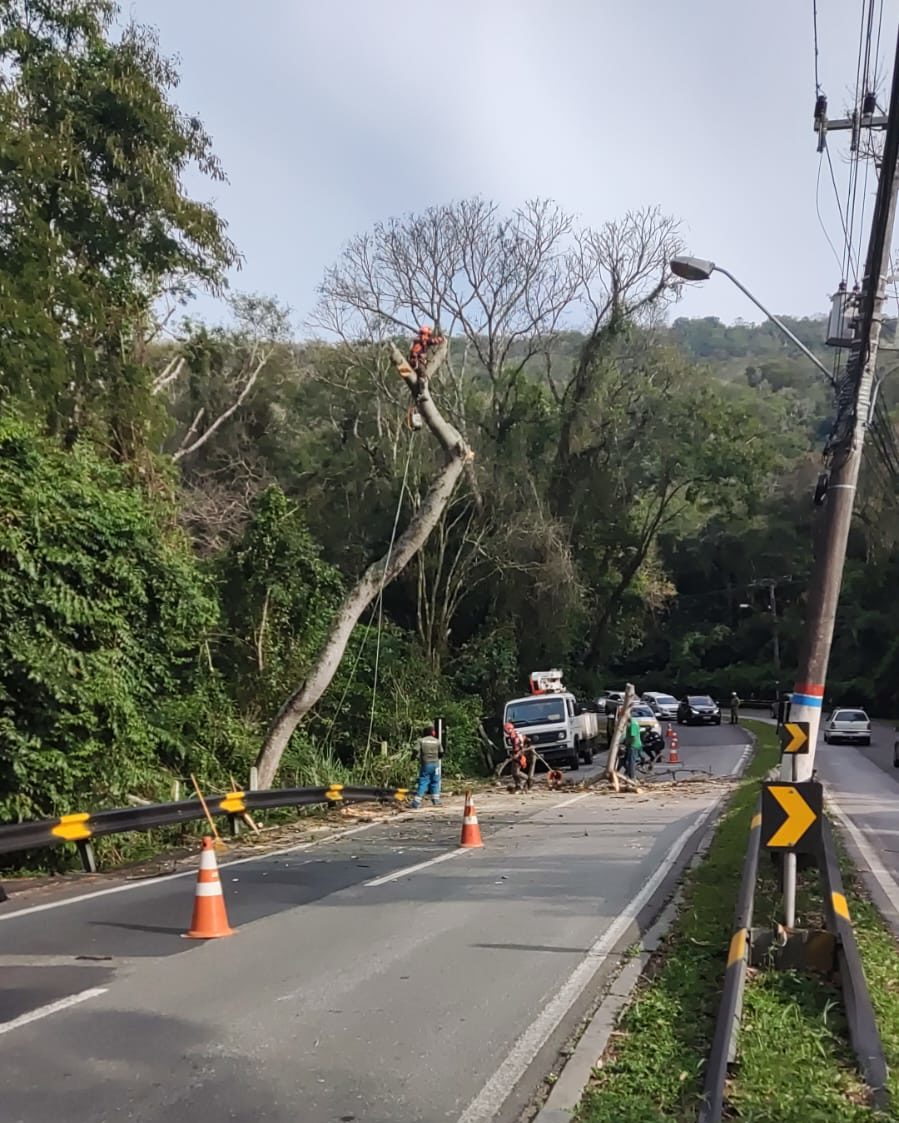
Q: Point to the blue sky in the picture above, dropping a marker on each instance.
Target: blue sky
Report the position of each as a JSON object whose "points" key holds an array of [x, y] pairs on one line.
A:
{"points": [[330, 115]]}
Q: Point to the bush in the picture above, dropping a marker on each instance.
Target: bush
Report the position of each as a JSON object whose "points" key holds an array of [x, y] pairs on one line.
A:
{"points": [[103, 617]]}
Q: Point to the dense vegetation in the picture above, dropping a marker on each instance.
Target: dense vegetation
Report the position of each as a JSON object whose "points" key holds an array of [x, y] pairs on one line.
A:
{"points": [[182, 507]]}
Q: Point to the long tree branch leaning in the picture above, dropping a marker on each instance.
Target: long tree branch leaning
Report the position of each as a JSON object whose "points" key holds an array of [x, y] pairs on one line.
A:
{"points": [[379, 573], [621, 721]]}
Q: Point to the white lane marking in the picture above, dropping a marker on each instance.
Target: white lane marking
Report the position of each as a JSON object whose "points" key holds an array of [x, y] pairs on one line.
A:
{"points": [[145, 882], [486, 1105], [568, 802], [881, 875], [407, 870], [738, 767], [50, 1009]]}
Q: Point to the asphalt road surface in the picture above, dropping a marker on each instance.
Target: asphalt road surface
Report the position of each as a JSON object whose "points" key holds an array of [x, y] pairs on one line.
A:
{"points": [[863, 790], [381, 976]]}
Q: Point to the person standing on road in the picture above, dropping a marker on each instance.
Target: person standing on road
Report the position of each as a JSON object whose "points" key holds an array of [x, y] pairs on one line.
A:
{"points": [[430, 754], [521, 756], [633, 747], [735, 704]]}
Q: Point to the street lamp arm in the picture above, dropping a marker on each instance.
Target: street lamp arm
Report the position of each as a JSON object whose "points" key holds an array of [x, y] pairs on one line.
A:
{"points": [[778, 323]]}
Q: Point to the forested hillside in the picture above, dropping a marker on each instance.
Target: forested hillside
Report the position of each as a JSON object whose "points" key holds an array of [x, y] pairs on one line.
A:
{"points": [[183, 506]]}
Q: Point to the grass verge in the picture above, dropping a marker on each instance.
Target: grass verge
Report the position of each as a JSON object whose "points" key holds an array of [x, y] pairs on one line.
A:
{"points": [[796, 1065]]}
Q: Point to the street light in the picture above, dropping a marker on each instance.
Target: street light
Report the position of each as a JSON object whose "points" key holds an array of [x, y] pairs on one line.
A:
{"points": [[697, 269]]}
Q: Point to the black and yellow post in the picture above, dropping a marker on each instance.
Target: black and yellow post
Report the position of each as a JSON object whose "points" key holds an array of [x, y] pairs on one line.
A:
{"points": [[727, 1026]]}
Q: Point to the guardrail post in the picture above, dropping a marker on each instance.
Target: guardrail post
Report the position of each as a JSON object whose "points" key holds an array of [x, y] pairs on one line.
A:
{"points": [[87, 855], [235, 825], [254, 778]]}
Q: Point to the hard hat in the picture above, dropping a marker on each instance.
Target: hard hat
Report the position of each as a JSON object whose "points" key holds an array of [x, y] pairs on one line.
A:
{"points": [[425, 330], [509, 727]]}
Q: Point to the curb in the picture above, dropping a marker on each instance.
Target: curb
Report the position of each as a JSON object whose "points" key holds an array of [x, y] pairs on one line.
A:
{"points": [[575, 1077]]}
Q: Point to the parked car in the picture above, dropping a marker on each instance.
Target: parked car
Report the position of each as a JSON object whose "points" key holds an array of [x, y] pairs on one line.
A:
{"points": [[698, 709], [643, 716], [664, 706], [853, 726], [610, 700]]}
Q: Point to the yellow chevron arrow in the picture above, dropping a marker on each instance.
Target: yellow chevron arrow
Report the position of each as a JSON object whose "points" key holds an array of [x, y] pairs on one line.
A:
{"points": [[799, 816], [798, 736]]}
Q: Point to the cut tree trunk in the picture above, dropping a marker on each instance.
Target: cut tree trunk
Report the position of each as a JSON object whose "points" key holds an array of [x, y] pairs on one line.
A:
{"points": [[380, 573]]}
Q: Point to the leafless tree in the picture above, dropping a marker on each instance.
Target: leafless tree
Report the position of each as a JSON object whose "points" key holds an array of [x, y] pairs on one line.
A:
{"points": [[456, 454], [501, 284], [262, 328], [625, 277]]}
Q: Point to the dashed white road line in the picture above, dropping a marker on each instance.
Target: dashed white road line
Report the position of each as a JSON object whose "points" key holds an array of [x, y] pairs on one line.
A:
{"points": [[146, 882], [406, 871], [738, 767], [876, 868], [50, 1009], [485, 1106]]}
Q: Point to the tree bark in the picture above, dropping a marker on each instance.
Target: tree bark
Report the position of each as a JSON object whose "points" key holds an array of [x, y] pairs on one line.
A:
{"points": [[380, 572]]}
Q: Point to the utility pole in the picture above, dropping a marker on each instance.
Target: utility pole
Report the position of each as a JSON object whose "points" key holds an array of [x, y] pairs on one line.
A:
{"points": [[775, 628], [846, 446]]}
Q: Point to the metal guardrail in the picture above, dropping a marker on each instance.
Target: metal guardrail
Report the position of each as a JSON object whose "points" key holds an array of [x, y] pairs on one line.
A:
{"points": [[860, 1016], [749, 946], [81, 827], [727, 1026]]}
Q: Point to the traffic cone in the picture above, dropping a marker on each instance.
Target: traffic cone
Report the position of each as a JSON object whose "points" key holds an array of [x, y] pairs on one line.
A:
{"points": [[471, 832], [210, 919], [673, 758]]}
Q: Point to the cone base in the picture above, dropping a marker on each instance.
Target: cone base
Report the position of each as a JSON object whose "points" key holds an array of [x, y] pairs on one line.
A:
{"points": [[199, 934], [471, 846]]}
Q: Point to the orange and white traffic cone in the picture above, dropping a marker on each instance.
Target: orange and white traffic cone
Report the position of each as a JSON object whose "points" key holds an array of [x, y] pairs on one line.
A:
{"points": [[471, 831], [673, 758], [210, 919]]}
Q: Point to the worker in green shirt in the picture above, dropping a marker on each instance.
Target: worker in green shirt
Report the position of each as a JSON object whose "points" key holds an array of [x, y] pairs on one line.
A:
{"points": [[633, 747]]}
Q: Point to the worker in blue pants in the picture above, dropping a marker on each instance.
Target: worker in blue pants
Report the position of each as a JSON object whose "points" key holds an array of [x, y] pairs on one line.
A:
{"points": [[430, 753]]}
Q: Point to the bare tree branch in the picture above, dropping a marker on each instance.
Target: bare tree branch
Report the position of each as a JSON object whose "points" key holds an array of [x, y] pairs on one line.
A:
{"points": [[188, 449]]}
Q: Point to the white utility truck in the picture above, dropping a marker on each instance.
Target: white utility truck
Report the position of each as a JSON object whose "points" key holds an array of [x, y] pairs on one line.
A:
{"points": [[561, 729]]}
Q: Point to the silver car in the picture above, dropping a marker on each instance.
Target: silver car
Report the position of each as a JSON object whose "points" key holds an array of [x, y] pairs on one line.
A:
{"points": [[853, 726]]}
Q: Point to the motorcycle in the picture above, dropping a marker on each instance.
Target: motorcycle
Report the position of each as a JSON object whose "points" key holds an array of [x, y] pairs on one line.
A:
{"points": [[653, 746]]}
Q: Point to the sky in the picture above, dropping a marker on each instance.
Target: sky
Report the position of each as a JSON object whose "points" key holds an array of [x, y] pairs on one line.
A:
{"points": [[331, 115]]}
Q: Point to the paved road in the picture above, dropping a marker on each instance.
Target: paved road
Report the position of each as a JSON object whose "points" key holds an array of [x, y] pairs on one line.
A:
{"points": [[862, 788], [367, 981]]}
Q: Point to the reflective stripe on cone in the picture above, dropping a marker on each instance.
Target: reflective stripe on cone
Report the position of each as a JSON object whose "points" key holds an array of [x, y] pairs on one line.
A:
{"points": [[210, 920]]}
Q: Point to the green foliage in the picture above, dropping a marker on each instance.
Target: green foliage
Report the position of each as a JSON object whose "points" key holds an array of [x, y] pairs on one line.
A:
{"points": [[102, 622], [278, 599], [94, 223]]}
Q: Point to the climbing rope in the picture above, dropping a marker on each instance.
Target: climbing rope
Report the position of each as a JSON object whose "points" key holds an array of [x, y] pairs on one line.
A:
{"points": [[380, 601]]}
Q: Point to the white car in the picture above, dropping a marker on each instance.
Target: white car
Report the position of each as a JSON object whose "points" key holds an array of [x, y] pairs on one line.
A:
{"points": [[853, 726]]}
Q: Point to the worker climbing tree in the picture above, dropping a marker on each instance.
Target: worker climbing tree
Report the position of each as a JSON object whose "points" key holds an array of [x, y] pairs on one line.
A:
{"points": [[422, 348]]}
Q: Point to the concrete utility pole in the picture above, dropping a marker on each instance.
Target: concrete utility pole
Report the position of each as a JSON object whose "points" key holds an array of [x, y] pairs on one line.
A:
{"points": [[847, 442]]}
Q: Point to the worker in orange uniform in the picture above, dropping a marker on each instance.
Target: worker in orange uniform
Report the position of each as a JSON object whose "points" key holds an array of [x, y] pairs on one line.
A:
{"points": [[421, 345], [521, 756]]}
